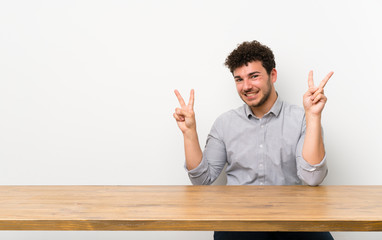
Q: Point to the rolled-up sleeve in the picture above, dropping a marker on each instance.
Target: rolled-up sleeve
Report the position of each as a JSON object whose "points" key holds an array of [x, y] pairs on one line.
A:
{"points": [[213, 161], [312, 175]]}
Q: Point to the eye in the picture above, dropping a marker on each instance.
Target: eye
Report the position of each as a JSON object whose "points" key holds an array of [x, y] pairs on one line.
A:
{"points": [[238, 79], [254, 76]]}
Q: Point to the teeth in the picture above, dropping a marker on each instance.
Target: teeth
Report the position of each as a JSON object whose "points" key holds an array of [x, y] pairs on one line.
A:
{"points": [[250, 94]]}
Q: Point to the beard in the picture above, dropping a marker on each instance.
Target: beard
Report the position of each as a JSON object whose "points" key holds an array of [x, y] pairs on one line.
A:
{"points": [[267, 93]]}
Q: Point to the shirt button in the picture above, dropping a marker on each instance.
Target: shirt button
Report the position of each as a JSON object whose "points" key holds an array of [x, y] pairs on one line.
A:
{"points": [[261, 145], [262, 126], [260, 165], [261, 183]]}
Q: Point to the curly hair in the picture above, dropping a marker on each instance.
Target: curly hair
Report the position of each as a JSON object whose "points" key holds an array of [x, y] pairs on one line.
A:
{"points": [[248, 52]]}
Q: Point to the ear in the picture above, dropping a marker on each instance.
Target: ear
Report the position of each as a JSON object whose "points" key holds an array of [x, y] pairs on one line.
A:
{"points": [[273, 75]]}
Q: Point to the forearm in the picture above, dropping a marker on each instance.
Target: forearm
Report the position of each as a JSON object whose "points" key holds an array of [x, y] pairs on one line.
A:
{"points": [[313, 149], [192, 149]]}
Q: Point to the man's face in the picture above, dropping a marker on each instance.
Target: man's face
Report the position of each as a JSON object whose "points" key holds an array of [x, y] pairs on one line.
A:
{"points": [[253, 83]]}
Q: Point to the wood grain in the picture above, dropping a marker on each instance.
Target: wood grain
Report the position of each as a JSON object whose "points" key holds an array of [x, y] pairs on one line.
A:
{"points": [[229, 208]]}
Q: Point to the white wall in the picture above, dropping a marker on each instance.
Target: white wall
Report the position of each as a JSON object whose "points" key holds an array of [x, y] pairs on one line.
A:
{"points": [[86, 87]]}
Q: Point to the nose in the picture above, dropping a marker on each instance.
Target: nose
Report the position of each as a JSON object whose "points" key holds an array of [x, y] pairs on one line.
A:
{"points": [[247, 85]]}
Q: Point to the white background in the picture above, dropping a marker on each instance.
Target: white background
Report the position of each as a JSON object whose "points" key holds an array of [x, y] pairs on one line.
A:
{"points": [[86, 88]]}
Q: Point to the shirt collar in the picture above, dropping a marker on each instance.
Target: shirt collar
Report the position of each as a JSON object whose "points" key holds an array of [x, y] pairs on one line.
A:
{"points": [[275, 110]]}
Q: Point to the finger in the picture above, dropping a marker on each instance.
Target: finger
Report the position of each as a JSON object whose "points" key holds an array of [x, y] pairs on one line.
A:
{"points": [[180, 99], [178, 111], [325, 80], [192, 97], [312, 90], [183, 113], [319, 97], [316, 93], [180, 114], [307, 95], [310, 79], [178, 118]]}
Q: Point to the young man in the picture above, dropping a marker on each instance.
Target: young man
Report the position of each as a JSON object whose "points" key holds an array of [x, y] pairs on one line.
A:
{"points": [[264, 142]]}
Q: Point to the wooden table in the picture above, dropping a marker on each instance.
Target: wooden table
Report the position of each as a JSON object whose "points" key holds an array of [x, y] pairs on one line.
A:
{"points": [[230, 208]]}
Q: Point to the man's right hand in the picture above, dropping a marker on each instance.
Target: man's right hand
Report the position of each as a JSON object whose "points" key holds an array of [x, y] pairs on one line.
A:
{"points": [[185, 115]]}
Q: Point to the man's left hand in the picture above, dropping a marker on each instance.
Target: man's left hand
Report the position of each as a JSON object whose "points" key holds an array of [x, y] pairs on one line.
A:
{"points": [[314, 99]]}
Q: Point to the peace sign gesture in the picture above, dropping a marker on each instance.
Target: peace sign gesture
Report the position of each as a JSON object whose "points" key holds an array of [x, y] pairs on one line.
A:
{"points": [[314, 99], [185, 116]]}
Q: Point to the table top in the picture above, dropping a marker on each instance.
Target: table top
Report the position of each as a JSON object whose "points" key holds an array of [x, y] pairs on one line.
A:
{"points": [[199, 208]]}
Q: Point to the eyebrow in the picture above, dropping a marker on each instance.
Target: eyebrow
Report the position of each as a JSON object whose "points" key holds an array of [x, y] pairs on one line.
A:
{"points": [[250, 74]]}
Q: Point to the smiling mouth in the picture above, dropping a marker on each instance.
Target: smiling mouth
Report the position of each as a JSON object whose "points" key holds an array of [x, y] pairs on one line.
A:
{"points": [[251, 94]]}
